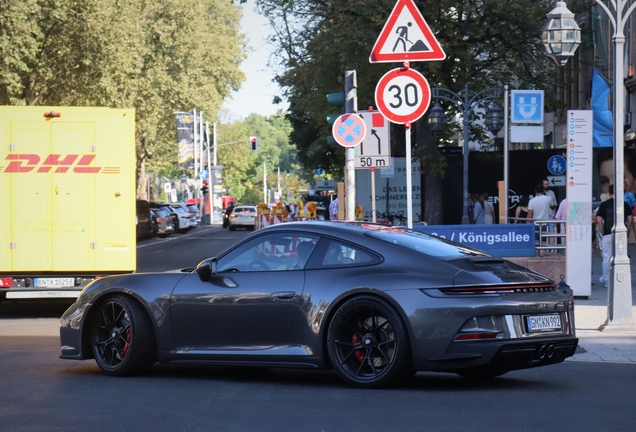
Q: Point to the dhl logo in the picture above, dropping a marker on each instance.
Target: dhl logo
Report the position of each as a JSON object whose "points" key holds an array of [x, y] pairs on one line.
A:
{"points": [[24, 163]]}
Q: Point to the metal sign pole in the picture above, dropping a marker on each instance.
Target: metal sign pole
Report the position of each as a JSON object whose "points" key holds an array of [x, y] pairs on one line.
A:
{"points": [[373, 194], [506, 151], [409, 177], [350, 108]]}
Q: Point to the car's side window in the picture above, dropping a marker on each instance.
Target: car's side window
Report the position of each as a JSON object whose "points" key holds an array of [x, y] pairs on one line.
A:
{"points": [[339, 253], [272, 252]]}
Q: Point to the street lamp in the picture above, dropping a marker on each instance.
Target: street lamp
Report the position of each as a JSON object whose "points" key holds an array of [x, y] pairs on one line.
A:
{"points": [[466, 101], [619, 305], [561, 34]]}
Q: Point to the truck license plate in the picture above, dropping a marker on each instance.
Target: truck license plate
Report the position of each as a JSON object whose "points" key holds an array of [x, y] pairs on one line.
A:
{"points": [[54, 282], [541, 323]]}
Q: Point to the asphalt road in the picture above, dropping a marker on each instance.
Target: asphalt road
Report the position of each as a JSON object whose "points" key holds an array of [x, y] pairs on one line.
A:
{"points": [[40, 392], [43, 393]]}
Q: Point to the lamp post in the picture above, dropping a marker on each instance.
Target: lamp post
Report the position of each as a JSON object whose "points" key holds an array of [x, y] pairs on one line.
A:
{"points": [[561, 37], [467, 101]]}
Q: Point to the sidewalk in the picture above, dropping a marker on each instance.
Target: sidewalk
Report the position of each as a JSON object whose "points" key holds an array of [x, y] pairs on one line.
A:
{"points": [[589, 314]]}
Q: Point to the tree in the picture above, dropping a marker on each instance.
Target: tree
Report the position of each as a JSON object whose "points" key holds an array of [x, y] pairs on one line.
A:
{"points": [[487, 43], [155, 57]]}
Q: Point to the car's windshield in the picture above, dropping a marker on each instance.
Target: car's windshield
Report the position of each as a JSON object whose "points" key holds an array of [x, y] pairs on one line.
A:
{"points": [[424, 243]]}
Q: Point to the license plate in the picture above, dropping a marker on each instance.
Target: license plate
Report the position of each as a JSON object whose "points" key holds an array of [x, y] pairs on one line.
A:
{"points": [[542, 323], [54, 282]]}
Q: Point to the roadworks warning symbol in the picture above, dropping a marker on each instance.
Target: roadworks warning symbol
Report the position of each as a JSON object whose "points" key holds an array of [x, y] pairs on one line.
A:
{"points": [[406, 37]]}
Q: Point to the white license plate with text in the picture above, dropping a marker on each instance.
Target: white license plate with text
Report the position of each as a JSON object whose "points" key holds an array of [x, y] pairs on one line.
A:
{"points": [[541, 323], [54, 282]]}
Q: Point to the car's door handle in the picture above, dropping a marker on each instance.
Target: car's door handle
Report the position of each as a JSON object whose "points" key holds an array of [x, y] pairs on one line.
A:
{"points": [[285, 295]]}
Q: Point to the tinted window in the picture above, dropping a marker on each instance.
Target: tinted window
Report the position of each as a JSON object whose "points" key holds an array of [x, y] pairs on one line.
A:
{"points": [[272, 252], [143, 207], [244, 209], [337, 253], [423, 243]]}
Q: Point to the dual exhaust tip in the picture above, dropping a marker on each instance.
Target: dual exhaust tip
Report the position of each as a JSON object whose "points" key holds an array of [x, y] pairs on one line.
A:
{"points": [[546, 351]]}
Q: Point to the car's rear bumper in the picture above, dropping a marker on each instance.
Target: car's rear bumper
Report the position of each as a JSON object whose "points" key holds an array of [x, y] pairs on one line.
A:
{"points": [[505, 355]]}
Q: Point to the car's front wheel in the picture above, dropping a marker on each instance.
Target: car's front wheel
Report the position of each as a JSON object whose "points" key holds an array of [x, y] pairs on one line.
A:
{"points": [[368, 344], [122, 337]]}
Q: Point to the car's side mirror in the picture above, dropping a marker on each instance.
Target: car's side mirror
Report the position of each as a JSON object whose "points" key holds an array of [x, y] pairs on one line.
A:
{"points": [[207, 269]]}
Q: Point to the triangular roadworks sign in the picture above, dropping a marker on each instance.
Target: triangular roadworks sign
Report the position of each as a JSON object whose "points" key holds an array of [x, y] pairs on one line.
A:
{"points": [[406, 37]]}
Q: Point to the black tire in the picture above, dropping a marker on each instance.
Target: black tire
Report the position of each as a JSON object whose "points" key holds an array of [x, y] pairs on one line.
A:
{"points": [[232, 227], [122, 337], [367, 343], [480, 373]]}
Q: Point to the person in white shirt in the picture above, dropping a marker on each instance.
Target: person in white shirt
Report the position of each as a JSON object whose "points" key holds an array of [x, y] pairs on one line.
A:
{"points": [[333, 209], [548, 192], [540, 206]]}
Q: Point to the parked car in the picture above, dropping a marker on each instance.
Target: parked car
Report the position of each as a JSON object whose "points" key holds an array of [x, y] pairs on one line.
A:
{"points": [[372, 302], [162, 222], [243, 216], [143, 220], [190, 209], [187, 220], [173, 214]]}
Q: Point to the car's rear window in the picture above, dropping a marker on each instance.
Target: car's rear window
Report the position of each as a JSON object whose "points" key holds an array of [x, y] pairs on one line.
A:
{"points": [[424, 243], [244, 209]]}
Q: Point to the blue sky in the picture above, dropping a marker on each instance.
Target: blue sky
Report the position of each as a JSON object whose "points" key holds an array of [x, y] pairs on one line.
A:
{"points": [[258, 90]]}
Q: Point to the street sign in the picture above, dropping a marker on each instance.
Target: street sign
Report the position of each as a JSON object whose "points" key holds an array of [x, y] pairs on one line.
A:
{"points": [[319, 171], [349, 130], [556, 180], [203, 174], [375, 149], [406, 37], [527, 106], [557, 164], [402, 95], [325, 185]]}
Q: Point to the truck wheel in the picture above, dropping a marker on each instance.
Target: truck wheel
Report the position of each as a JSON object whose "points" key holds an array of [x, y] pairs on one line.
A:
{"points": [[122, 337]]}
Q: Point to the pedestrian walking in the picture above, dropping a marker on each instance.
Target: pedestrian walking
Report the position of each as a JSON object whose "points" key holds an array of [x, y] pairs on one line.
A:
{"points": [[478, 210], [489, 209], [605, 222], [521, 212]]}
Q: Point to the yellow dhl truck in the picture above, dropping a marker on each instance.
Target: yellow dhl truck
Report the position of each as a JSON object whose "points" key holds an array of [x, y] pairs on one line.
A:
{"points": [[67, 182]]}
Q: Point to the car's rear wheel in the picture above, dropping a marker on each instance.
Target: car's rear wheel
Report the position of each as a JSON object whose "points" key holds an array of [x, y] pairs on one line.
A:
{"points": [[232, 227], [122, 337], [367, 343]]}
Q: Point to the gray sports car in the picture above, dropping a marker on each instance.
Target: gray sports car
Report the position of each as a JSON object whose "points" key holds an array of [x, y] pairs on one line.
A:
{"points": [[374, 303]]}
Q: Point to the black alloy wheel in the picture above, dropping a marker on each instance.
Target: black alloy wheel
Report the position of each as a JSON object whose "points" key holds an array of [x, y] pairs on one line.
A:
{"points": [[122, 337], [367, 343]]}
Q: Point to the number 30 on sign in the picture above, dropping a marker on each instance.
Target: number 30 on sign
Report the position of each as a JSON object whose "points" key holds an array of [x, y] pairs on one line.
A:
{"points": [[402, 95]]}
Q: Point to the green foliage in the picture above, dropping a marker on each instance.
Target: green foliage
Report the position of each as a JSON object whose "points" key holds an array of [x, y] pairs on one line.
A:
{"points": [[155, 57], [488, 43]]}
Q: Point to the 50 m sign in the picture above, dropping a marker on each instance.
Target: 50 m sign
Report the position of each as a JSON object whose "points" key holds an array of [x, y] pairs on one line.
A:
{"points": [[402, 95]]}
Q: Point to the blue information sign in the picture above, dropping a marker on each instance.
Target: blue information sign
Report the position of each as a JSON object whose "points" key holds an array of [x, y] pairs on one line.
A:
{"points": [[527, 106], [510, 240], [319, 171]]}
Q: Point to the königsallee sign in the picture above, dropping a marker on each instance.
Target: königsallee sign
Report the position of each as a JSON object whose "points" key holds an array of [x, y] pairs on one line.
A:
{"points": [[510, 240]]}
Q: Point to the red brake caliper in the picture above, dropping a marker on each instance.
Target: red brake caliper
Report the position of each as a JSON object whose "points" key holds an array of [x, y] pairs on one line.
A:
{"points": [[125, 351], [356, 340]]}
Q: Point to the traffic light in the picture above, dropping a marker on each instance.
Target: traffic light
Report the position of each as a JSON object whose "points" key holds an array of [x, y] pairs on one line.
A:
{"points": [[204, 188], [253, 143]]}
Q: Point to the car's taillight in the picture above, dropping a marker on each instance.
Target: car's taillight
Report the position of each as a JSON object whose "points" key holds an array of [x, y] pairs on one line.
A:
{"points": [[232, 215], [6, 282], [159, 219], [499, 289]]}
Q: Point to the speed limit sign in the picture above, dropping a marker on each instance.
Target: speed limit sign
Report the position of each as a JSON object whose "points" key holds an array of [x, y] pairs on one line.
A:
{"points": [[402, 95]]}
